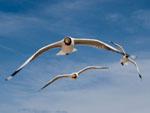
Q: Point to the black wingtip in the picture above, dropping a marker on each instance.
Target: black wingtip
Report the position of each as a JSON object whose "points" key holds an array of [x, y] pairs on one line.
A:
{"points": [[106, 68], [15, 72], [43, 88], [140, 76], [12, 75]]}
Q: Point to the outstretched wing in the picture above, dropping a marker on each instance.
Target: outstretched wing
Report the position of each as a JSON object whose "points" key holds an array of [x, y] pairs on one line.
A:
{"points": [[95, 43], [54, 79], [34, 56], [119, 47], [133, 62], [90, 68]]}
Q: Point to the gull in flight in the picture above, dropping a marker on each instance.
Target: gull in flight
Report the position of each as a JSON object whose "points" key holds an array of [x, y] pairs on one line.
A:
{"points": [[127, 58], [73, 76], [67, 46]]}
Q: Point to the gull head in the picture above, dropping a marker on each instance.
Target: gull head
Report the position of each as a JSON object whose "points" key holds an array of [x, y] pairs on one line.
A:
{"points": [[74, 76], [124, 59], [67, 40]]}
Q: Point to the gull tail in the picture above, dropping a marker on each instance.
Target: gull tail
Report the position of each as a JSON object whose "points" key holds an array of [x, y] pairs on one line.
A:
{"points": [[74, 50], [61, 53]]}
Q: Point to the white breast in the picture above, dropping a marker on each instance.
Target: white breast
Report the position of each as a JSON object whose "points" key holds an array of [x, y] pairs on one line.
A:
{"points": [[68, 49]]}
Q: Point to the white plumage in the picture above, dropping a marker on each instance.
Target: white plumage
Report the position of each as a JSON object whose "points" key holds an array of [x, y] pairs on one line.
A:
{"points": [[74, 75], [67, 46]]}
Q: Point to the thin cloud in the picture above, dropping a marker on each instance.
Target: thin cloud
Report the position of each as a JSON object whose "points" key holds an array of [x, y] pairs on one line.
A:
{"points": [[142, 18], [116, 90], [124, 87], [9, 49]]}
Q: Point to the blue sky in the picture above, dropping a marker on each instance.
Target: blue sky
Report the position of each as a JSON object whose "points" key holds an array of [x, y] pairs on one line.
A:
{"points": [[25, 26]]}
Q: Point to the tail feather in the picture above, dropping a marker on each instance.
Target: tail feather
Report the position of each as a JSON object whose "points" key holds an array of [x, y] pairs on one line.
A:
{"points": [[61, 53], [74, 50]]}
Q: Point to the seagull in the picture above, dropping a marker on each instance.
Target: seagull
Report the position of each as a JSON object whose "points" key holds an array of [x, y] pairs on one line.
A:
{"points": [[73, 76], [67, 46], [127, 58]]}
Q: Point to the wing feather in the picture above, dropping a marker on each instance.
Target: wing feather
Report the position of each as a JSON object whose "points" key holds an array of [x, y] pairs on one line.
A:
{"points": [[90, 68], [119, 47], [34, 56], [138, 70], [95, 43], [54, 79]]}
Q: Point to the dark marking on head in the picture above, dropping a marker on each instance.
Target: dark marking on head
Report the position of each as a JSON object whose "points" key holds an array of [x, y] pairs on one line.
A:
{"points": [[127, 55], [74, 76], [67, 41]]}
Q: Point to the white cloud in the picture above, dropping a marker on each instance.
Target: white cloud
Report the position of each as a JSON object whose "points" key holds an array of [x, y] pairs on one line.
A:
{"points": [[142, 18], [50, 17], [114, 17], [14, 24], [132, 22], [116, 90], [122, 92]]}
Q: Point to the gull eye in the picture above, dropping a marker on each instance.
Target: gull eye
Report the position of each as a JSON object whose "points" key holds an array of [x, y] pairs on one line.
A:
{"points": [[67, 40]]}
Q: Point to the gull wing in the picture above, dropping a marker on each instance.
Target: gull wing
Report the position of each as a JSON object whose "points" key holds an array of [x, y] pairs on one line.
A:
{"points": [[34, 56], [91, 68], [54, 79], [119, 47], [138, 70], [96, 43]]}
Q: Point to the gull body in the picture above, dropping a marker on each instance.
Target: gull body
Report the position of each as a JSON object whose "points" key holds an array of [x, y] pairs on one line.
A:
{"points": [[126, 58], [67, 46], [73, 76]]}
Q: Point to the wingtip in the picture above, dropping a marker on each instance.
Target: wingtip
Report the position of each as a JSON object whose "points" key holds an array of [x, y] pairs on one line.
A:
{"points": [[39, 90], [12, 75], [8, 78], [140, 76], [105, 67]]}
